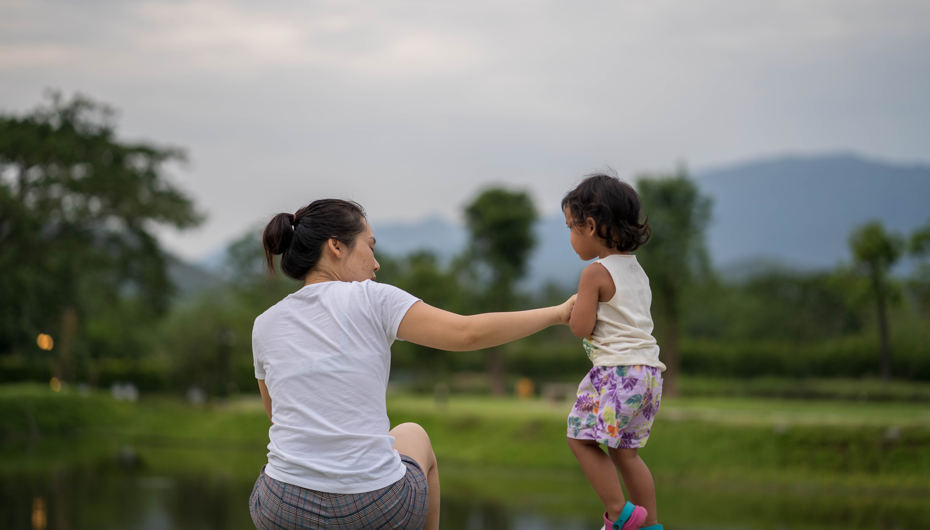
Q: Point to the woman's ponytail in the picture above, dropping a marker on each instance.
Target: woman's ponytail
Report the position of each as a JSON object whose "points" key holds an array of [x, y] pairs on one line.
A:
{"points": [[299, 237], [277, 237]]}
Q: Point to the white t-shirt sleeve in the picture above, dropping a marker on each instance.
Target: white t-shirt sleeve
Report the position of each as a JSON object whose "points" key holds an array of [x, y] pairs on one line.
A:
{"points": [[390, 304], [257, 356]]}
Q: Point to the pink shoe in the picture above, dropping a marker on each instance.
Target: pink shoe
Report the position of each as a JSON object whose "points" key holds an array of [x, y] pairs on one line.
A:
{"points": [[630, 518]]}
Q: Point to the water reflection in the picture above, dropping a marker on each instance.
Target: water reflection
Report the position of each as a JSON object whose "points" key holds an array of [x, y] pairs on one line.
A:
{"points": [[462, 514], [122, 488], [39, 517]]}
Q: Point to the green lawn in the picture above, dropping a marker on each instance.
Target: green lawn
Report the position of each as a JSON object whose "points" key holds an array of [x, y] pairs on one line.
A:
{"points": [[714, 459], [764, 440]]}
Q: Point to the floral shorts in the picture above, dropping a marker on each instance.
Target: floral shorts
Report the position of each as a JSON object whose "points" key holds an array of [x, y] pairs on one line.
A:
{"points": [[616, 405]]}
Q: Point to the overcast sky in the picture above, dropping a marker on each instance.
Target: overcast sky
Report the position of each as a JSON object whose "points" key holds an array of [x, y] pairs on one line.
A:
{"points": [[410, 107]]}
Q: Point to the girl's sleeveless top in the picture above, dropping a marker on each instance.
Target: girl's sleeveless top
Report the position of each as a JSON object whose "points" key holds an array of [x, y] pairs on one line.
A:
{"points": [[623, 333]]}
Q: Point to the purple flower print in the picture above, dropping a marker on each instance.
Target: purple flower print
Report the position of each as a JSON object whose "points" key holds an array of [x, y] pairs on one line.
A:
{"points": [[586, 403], [650, 405], [628, 383], [627, 437]]}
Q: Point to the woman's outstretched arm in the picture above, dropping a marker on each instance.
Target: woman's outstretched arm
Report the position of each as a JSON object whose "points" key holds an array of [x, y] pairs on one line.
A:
{"points": [[432, 327]]}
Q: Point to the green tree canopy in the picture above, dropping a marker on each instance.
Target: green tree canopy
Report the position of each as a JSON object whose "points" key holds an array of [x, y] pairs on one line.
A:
{"points": [[78, 208], [919, 283], [920, 241], [500, 223], [675, 255], [875, 251]]}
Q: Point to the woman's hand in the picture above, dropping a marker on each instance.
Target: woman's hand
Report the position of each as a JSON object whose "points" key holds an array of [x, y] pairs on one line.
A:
{"points": [[565, 309]]}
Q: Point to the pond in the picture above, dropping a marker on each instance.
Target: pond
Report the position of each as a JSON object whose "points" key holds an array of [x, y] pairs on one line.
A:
{"points": [[110, 485]]}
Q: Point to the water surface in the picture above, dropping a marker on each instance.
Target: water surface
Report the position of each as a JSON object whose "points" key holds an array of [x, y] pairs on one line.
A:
{"points": [[103, 486]]}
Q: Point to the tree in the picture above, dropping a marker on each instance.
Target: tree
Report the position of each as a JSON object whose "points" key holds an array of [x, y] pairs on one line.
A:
{"points": [[920, 241], [875, 251], [674, 257], [500, 223], [77, 213], [919, 283]]}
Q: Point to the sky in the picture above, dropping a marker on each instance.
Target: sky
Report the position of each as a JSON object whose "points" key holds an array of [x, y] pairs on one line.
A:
{"points": [[412, 107]]}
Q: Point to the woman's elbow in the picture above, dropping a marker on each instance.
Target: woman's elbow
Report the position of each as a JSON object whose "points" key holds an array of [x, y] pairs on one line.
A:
{"points": [[467, 336], [468, 341]]}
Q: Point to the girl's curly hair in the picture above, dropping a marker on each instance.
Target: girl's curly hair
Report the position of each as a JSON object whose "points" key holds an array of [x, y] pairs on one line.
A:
{"points": [[615, 207]]}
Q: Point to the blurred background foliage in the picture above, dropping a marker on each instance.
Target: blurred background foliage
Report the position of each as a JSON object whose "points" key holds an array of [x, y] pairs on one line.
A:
{"points": [[78, 260]]}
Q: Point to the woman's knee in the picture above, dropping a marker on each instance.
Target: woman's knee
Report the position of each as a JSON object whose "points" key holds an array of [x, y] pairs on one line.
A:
{"points": [[412, 440], [410, 429]]}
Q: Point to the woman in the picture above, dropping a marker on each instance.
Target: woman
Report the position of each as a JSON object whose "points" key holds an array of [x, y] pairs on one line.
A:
{"points": [[322, 358]]}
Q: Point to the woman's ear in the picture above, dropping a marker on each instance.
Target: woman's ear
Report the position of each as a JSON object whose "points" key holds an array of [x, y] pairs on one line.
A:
{"points": [[334, 246]]}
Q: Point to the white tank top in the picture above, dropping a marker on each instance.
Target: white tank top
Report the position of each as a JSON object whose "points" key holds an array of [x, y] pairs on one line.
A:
{"points": [[623, 333]]}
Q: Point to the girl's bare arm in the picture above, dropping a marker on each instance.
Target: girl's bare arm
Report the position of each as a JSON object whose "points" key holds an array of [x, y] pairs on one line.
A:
{"points": [[432, 327], [596, 285]]}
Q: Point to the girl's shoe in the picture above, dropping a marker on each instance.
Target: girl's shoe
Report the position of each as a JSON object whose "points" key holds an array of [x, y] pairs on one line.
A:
{"points": [[630, 518], [653, 527]]}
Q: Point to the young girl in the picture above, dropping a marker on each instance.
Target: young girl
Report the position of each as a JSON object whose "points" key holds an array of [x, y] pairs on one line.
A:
{"points": [[619, 397]]}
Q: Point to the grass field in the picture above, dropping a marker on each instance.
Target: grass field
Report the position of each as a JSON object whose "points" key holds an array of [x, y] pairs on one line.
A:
{"points": [[885, 443], [714, 459]]}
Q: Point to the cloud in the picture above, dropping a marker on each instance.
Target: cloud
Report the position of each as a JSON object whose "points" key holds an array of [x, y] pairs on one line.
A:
{"points": [[410, 106], [14, 57], [227, 37]]}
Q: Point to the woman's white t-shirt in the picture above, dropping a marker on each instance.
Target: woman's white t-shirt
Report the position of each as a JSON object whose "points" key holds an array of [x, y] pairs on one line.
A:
{"points": [[324, 353]]}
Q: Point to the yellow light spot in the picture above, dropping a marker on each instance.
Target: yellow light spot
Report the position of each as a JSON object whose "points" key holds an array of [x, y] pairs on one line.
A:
{"points": [[39, 518], [524, 389], [55, 384], [45, 342]]}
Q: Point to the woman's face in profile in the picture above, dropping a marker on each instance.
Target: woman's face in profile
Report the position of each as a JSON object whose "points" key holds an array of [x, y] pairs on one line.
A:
{"points": [[360, 264]]}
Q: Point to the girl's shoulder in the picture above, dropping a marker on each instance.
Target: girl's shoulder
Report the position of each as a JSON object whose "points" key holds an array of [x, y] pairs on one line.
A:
{"points": [[596, 272], [597, 275]]}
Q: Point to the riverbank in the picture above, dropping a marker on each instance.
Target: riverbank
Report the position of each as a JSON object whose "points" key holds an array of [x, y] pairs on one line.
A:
{"points": [[714, 459], [885, 443]]}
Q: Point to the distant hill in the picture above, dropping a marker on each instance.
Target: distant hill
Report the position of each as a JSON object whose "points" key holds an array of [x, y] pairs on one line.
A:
{"points": [[789, 212], [189, 278], [796, 212], [553, 259], [800, 210], [434, 233]]}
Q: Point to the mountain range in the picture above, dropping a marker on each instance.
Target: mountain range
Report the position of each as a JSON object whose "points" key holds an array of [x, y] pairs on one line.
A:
{"points": [[791, 211]]}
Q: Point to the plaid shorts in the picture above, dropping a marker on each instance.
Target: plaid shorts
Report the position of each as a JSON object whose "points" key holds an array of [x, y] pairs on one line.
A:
{"points": [[275, 505]]}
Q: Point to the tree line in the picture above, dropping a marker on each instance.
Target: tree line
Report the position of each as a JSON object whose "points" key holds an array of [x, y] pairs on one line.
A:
{"points": [[79, 260]]}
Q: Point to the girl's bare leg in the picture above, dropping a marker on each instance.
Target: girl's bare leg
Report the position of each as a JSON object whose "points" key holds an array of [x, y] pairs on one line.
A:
{"points": [[410, 439], [638, 481], [601, 473]]}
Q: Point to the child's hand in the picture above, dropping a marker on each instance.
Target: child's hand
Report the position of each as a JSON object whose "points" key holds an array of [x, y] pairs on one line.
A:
{"points": [[565, 309]]}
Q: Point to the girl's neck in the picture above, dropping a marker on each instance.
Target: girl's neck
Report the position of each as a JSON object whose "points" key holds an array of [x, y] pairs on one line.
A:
{"points": [[610, 252]]}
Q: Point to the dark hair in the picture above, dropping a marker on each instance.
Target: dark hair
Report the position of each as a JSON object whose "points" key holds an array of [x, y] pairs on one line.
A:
{"points": [[615, 207], [300, 237]]}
